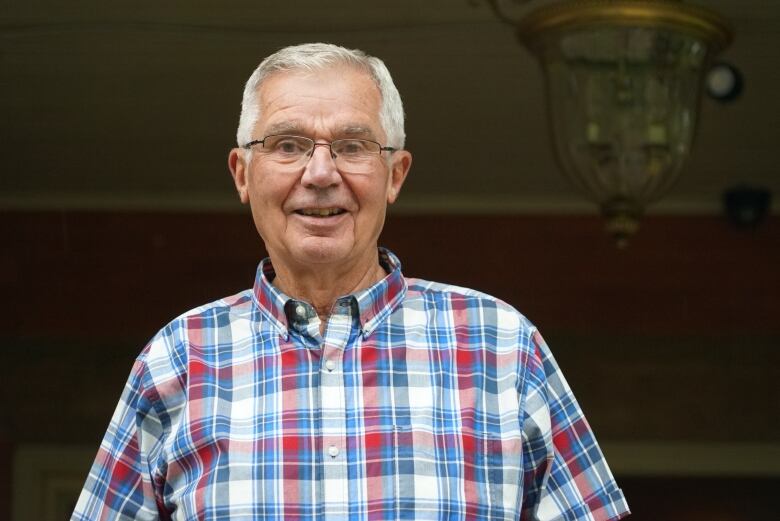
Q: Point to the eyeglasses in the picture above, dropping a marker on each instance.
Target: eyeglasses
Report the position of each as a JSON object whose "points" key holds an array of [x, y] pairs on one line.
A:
{"points": [[350, 155]]}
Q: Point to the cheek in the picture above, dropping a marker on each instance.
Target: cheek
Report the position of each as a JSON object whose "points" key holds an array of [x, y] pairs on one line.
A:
{"points": [[371, 193], [373, 203], [266, 199], [269, 191]]}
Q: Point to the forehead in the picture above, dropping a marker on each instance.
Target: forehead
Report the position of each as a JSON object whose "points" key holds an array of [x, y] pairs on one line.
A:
{"points": [[320, 101]]}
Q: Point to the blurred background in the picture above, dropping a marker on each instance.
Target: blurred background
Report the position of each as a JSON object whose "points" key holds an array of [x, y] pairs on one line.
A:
{"points": [[117, 213]]}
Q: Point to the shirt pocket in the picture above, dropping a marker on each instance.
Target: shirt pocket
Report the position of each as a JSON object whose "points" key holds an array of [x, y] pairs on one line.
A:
{"points": [[491, 474], [504, 463], [443, 474]]}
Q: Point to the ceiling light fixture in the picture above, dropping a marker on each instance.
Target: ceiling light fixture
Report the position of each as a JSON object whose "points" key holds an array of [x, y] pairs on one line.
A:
{"points": [[623, 80]]}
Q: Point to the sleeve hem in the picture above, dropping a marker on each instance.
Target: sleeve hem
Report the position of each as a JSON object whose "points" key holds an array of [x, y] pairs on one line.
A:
{"points": [[611, 508]]}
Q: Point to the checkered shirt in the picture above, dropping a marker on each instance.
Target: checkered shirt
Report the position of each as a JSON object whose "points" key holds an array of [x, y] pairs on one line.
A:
{"points": [[419, 401]]}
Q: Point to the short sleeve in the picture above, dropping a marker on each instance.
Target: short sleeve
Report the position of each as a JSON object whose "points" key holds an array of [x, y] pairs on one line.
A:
{"points": [[565, 475], [123, 483]]}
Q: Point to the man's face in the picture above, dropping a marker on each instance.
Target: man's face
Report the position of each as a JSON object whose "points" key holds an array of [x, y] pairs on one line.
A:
{"points": [[316, 215]]}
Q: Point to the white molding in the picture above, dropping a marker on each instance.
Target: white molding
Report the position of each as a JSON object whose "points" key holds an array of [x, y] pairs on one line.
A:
{"points": [[693, 459], [47, 480]]}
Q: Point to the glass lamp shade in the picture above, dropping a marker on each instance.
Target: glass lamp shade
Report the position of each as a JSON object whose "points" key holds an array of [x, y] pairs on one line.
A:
{"points": [[623, 81]]}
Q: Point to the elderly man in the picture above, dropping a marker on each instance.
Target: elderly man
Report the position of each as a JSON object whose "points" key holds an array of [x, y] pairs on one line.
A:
{"points": [[337, 388]]}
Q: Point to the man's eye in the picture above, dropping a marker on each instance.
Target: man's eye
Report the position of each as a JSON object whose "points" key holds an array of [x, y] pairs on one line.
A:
{"points": [[350, 147], [289, 146]]}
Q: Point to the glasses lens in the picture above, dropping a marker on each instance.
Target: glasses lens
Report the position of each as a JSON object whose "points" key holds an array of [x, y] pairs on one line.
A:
{"points": [[355, 155], [287, 149]]}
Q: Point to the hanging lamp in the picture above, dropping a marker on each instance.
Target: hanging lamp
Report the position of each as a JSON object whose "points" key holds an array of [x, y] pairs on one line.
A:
{"points": [[623, 85]]}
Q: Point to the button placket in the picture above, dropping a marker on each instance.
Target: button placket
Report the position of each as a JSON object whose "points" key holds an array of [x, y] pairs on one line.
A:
{"points": [[334, 412]]}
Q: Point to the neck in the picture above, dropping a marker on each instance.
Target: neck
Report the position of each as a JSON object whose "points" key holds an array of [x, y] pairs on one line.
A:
{"points": [[321, 285]]}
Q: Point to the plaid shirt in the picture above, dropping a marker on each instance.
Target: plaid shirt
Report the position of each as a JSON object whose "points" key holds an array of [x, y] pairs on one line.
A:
{"points": [[420, 401]]}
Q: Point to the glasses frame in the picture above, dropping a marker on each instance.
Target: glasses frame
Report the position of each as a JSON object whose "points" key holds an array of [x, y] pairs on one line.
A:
{"points": [[316, 144]]}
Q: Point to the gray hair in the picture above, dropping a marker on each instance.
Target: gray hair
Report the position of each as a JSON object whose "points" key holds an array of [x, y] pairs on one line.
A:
{"points": [[318, 56]]}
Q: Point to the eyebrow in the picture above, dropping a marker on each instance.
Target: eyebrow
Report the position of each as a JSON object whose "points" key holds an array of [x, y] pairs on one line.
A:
{"points": [[285, 127], [297, 128], [357, 130]]}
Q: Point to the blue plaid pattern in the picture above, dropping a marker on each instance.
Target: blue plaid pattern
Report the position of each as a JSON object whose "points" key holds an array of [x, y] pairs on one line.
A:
{"points": [[419, 401]]}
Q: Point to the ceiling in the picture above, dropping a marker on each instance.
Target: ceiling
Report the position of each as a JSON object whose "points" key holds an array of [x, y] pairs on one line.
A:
{"points": [[133, 105]]}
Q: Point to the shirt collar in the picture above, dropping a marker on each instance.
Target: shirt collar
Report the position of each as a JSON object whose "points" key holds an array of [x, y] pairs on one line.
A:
{"points": [[375, 303], [270, 300]]}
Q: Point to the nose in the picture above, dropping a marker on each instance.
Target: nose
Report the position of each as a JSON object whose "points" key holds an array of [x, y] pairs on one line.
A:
{"points": [[321, 171]]}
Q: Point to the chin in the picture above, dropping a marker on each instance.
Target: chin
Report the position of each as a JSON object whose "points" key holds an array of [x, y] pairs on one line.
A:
{"points": [[322, 251]]}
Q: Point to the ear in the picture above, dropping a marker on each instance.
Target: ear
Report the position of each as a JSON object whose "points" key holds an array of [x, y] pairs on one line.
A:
{"points": [[239, 171], [402, 161]]}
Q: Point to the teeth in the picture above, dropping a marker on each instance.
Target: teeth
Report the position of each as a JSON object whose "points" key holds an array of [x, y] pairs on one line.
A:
{"points": [[321, 212]]}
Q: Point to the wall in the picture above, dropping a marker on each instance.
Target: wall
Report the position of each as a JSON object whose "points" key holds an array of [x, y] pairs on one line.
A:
{"points": [[672, 341]]}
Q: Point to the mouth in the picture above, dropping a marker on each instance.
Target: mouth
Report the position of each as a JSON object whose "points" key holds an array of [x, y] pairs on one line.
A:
{"points": [[320, 212]]}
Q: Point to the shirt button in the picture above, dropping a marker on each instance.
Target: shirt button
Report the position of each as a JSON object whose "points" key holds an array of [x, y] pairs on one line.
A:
{"points": [[330, 365], [333, 451], [300, 310]]}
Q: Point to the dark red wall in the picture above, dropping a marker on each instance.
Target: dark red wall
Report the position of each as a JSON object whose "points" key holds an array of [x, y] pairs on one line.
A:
{"points": [[659, 340], [121, 275]]}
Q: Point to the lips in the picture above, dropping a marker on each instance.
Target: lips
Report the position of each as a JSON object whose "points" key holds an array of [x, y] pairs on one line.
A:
{"points": [[320, 212]]}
